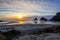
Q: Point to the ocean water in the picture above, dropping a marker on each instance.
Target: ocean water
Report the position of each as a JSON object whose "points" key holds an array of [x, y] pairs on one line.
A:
{"points": [[30, 22], [28, 29], [24, 27]]}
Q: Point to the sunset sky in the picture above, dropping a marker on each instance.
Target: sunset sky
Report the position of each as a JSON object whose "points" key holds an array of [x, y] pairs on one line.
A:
{"points": [[22, 8]]}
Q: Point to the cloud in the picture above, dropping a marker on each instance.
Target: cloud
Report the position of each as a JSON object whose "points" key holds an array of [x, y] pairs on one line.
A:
{"points": [[34, 7]]}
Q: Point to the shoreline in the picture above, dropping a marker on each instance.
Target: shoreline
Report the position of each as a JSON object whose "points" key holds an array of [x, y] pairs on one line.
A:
{"points": [[24, 27], [30, 24]]}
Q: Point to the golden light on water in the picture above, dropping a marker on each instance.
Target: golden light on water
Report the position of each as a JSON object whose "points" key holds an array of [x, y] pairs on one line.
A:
{"points": [[21, 22]]}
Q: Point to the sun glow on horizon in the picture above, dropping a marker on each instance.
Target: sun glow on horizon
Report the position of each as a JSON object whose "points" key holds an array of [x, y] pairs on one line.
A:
{"points": [[20, 16]]}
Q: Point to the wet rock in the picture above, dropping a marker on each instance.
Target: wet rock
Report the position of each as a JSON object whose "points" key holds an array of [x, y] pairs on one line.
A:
{"points": [[11, 34]]}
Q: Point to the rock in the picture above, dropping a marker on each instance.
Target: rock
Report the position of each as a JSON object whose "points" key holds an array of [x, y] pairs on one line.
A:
{"points": [[1, 21], [44, 19], [35, 20], [2, 37], [11, 34], [56, 17]]}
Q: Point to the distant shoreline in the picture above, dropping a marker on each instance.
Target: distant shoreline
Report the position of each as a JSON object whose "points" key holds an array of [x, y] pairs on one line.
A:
{"points": [[29, 24]]}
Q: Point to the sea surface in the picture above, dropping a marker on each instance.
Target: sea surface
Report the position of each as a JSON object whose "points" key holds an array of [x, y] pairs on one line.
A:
{"points": [[28, 29], [30, 22]]}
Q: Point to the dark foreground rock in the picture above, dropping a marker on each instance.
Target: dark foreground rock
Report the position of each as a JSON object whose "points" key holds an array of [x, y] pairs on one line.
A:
{"points": [[54, 29], [38, 31], [11, 34], [56, 17], [2, 37]]}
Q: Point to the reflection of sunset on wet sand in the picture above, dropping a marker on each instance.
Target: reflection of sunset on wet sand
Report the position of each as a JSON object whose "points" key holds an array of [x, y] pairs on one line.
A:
{"points": [[21, 22]]}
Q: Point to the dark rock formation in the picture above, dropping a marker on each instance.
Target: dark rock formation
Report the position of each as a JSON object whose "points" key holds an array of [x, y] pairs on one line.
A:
{"points": [[44, 19], [35, 20], [54, 29], [56, 17], [11, 34], [2, 37], [1, 21]]}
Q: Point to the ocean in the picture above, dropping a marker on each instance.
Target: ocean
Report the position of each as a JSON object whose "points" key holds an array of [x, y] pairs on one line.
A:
{"points": [[28, 27], [30, 22]]}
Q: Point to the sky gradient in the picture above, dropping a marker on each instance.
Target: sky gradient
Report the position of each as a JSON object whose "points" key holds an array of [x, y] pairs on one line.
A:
{"points": [[28, 7]]}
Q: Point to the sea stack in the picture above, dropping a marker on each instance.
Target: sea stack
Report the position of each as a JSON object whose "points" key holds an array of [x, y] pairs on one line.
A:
{"points": [[35, 20], [43, 19]]}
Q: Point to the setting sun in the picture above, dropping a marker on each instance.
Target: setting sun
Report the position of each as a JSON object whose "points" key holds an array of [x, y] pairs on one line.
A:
{"points": [[19, 16]]}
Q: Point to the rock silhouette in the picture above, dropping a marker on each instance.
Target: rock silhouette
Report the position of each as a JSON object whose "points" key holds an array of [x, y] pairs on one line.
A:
{"points": [[11, 34], [44, 19], [56, 17], [1, 21], [35, 20], [2, 37]]}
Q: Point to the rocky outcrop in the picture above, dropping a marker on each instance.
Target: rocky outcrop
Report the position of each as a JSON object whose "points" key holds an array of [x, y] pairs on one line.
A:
{"points": [[11, 34], [2, 37], [35, 20], [1, 21], [44, 19], [56, 17]]}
